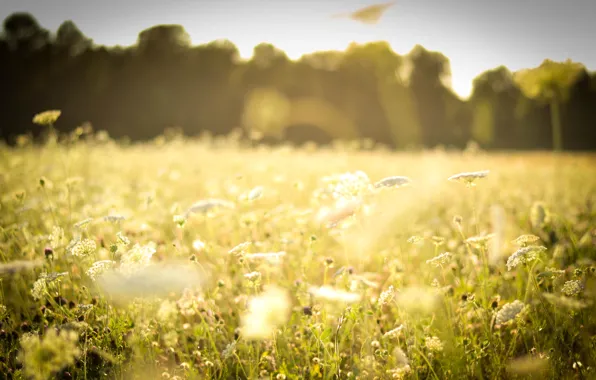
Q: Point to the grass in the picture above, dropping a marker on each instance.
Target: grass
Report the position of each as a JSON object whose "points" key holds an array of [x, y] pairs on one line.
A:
{"points": [[355, 297]]}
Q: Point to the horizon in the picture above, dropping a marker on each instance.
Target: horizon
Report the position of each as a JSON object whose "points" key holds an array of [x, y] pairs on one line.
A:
{"points": [[303, 30]]}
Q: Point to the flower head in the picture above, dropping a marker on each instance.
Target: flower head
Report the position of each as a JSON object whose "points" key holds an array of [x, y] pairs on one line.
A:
{"points": [[468, 178], [47, 117], [509, 311], [524, 255]]}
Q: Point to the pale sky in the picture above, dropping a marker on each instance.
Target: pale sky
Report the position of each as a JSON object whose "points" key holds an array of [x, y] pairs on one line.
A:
{"points": [[475, 35]]}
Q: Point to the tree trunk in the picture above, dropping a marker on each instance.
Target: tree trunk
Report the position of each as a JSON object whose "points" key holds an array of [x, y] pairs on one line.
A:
{"points": [[555, 116]]}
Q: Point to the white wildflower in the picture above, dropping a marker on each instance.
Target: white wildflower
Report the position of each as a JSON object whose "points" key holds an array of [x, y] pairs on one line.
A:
{"points": [[524, 255], [386, 296], [433, 344], [207, 205], [440, 260], [571, 288], [394, 333], [394, 182], [83, 248], [479, 241], [99, 267], [83, 223], [509, 311], [114, 218], [137, 257], [524, 240], [468, 178], [240, 248]]}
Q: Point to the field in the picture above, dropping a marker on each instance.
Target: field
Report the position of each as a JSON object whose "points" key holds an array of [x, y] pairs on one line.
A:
{"points": [[182, 259]]}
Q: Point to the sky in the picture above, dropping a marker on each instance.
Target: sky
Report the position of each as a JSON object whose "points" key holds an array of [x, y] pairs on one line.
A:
{"points": [[476, 35]]}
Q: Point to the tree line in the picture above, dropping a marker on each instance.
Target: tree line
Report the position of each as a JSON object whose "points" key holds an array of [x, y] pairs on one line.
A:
{"points": [[366, 91]]}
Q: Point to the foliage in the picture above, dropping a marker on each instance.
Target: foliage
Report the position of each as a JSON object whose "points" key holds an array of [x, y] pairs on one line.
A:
{"points": [[367, 90]]}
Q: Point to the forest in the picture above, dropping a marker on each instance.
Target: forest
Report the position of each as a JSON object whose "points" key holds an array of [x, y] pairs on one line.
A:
{"points": [[367, 91]]}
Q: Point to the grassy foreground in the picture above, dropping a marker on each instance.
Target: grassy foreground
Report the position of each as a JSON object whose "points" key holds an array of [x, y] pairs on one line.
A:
{"points": [[293, 265]]}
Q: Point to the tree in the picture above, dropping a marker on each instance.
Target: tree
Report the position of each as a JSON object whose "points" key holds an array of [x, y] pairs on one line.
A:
{"points": [[550, 83], [71, 39], [23, 33]]}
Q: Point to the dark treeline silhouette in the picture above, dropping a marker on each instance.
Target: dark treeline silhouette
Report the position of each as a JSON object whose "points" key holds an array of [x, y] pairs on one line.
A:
{"points": [[366, 91]]}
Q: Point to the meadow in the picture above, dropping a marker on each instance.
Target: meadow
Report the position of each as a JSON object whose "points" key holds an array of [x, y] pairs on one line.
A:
{"points": [[207, 258]]}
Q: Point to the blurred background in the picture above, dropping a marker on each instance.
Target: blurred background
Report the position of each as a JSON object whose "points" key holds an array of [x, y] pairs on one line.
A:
{"points": [[405, 74]]}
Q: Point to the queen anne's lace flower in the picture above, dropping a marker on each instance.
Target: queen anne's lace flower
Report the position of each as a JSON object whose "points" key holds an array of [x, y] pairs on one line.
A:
{"points": [[469, 178], [524, 255], [509, 311], [571, 288], [440, 260]]}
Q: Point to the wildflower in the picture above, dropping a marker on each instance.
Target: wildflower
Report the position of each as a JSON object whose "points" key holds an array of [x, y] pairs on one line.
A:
{"points": [[375, 344], [395, 182], [480, 241], [99, 267], [253, 277], [386, 296], [139, 256], [114, 218], [468, 178], [433, 344], [343, 186], [525, 240], [340, 212], [394, 333], [229, 350], [571, 288], [206, 205], [266, 312], [254, 194], [47, 117], [83, 223], [438, 240], [83, 248], [189, 303], [415, 239], [440, 260], [44, 282], [524, 255], [43, 358], [240, 248], [509, 311], [330, 294]]}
